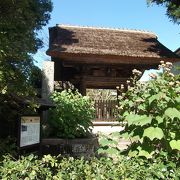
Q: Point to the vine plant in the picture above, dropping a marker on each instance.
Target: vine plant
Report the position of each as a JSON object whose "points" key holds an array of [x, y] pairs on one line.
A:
{"points": [[151, 112]]}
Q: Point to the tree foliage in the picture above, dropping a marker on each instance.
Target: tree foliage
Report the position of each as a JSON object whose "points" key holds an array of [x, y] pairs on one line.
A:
{"points": [[19, 24], [173, 8], [20, 21]]}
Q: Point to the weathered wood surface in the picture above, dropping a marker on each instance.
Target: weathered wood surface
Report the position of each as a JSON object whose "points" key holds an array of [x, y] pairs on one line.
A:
{"points": [[105, 110]]}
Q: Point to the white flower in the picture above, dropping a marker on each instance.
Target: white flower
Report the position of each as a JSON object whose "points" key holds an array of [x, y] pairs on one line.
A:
{"points": [[171, 74], [162, 62], [171, 83], [122, 86], [169, 63], [136, 72], [152, 75], [167, 69], [159, 67]]}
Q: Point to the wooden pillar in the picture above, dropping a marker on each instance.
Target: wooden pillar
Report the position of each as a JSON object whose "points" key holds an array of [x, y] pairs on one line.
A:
{"points": [[82, 88]]}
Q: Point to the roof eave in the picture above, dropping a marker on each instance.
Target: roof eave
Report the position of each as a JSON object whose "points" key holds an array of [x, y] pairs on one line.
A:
{"points": [[109, 59]]}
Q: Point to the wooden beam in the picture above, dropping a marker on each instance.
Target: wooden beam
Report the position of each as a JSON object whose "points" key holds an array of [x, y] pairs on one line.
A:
{"points": [[100, 82], [109, 59]]}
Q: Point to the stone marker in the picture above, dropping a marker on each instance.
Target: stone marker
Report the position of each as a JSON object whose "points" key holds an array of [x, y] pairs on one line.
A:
{"points": [[47, 79]]}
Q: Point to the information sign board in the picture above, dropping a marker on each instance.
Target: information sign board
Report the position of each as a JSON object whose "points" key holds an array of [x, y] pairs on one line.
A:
{"points": [[29, 130]]}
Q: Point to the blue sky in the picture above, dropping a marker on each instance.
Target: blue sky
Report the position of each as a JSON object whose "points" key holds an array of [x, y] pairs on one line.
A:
{"points": [[128, 14]]}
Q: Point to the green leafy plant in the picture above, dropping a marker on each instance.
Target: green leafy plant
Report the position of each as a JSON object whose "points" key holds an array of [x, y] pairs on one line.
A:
{"points": [[52, 167], [151, 112], [108, 145], [28, 167], [72, 116]]}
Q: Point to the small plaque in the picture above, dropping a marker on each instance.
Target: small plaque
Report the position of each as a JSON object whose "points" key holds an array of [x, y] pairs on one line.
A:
{"points": [[29, 130]]}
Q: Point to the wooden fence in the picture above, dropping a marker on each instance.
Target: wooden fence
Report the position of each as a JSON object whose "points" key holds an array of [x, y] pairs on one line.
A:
{"points": [[105, 110]]}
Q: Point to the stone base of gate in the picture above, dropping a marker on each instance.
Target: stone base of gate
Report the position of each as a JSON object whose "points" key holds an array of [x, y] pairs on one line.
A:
{"points": [[78, 147]]}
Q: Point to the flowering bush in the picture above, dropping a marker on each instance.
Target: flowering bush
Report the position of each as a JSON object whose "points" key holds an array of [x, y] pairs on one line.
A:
{"points": [[72, 116], [151, 112]]}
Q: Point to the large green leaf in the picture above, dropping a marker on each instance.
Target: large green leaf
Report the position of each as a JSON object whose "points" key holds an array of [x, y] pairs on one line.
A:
{"points": [[112, 151], [153, 133], [159, 119], [145, 154], [177, 99], [175, 144], [101, 150], [156, 97], [138, 119], [125, 135], [107, 141], [172, 113], [152, 98], [132, 153]]}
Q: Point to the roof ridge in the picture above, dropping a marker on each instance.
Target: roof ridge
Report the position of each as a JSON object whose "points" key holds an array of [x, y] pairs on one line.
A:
{"points": [[108, 28]]}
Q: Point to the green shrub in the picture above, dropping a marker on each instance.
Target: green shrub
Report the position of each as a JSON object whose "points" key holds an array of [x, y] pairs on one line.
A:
{"points": [[72, 116], [25, 168], [48, 167], [151, 112]]}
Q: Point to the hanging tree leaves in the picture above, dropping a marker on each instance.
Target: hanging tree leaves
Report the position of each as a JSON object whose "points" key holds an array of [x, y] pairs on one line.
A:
{"points": [[19, 24], [172, 6], [20, 21]]}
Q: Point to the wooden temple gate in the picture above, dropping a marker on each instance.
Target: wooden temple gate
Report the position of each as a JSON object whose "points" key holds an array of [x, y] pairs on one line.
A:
{"points": [[103, 58]]}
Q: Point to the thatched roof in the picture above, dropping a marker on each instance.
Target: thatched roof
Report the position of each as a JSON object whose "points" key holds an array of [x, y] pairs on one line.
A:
{"points": [[177, 51], [104, 41]]}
